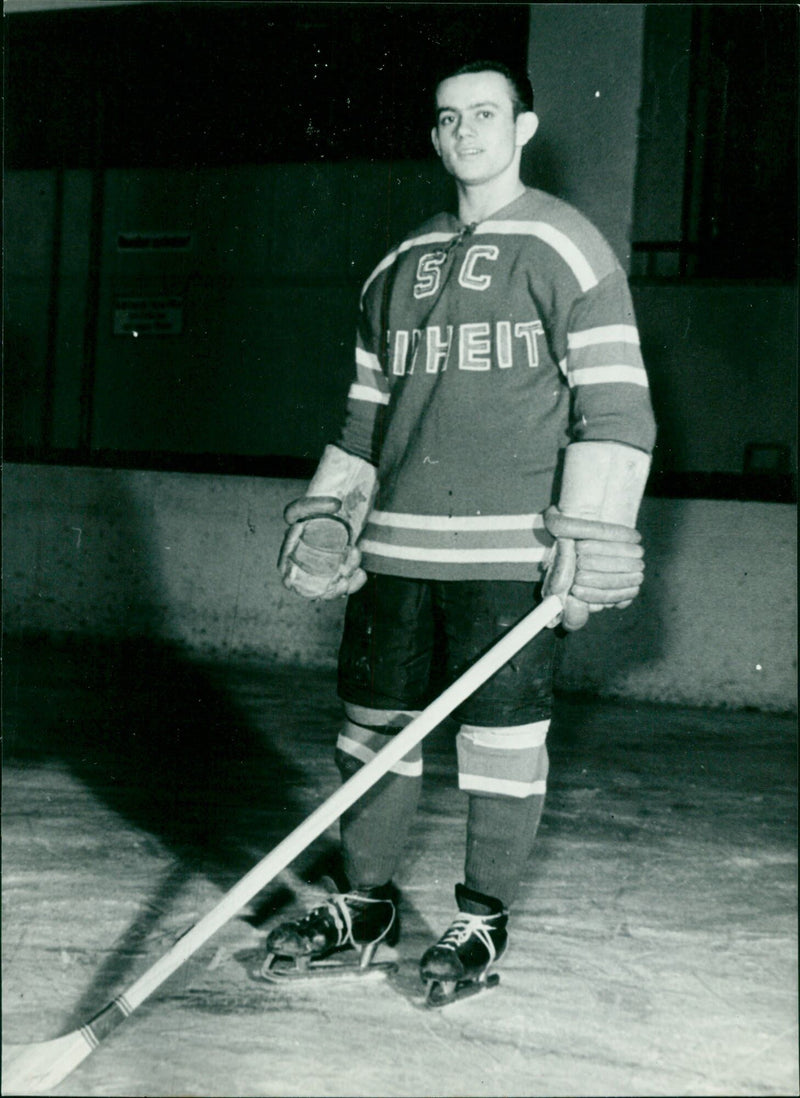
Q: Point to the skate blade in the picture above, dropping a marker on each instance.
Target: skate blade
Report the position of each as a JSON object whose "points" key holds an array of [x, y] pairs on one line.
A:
{"points": [[276, 970], [444, 993]]}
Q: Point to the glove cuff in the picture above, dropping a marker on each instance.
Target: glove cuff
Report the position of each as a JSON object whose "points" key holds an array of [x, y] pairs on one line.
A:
{"points": [[603, 481], [350, 479]]}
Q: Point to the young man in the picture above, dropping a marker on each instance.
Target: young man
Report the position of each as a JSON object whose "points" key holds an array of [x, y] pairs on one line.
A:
{"points": [[497, 438]]}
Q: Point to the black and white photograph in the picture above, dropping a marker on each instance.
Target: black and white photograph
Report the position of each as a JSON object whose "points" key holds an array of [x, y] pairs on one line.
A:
{"points": [[399, 560]]}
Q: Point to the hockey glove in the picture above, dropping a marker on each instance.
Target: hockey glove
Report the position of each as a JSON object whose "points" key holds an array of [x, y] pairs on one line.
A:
{"points": [[597, 561], [319, 558]]}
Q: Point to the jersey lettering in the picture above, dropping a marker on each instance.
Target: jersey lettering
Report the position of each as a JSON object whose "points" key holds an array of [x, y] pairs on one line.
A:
{"points": [[429, 274], [438, 349], [480, 346], [402, 362], [467, 277], [505, 352], [400, 352], [428, 278], [529, 331], [474, 347], [416, 336]]}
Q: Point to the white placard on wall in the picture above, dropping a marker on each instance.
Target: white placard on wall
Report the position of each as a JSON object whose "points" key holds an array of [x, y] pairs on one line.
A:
{"points": [[148, 316]]}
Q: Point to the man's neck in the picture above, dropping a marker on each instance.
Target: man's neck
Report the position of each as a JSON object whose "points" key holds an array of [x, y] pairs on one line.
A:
{"points": [[480, 202]]}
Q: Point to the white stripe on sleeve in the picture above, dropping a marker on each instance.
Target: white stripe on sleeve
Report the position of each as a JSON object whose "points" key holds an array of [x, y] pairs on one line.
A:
{"points": [[363, 392], [608, 333], [367, 360], [609, 375]]}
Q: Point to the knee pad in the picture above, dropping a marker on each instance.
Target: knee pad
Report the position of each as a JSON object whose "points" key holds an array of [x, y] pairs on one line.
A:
{"points": [[503, 762], [366, 731]]}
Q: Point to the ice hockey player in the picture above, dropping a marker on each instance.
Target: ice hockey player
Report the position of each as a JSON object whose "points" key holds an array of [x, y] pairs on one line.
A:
{"points": [[497, 442]]}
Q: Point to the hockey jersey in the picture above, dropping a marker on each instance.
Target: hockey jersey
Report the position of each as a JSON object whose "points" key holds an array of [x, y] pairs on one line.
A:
{"points": [[482, 350]]}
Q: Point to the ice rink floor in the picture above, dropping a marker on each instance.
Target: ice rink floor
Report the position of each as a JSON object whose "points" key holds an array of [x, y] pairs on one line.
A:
{"points": [[653, 950]]}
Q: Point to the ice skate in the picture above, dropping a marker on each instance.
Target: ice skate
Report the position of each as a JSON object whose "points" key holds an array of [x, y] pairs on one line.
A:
{"points": [[457, 966], [339, 937]]}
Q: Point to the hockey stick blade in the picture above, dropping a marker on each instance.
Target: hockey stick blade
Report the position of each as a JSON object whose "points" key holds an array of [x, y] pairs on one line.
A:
{"points": [[37, 1068]]}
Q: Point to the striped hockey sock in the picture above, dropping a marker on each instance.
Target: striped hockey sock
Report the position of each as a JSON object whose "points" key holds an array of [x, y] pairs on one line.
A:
{"points": [[504, 771], [375, 829]]}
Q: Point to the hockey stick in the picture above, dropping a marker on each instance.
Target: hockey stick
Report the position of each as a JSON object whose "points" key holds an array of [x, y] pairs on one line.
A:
{"points": [[36, 1068]]}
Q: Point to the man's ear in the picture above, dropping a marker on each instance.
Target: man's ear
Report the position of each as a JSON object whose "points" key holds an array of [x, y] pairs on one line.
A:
{"points": [[526, 124], [435, 140]]}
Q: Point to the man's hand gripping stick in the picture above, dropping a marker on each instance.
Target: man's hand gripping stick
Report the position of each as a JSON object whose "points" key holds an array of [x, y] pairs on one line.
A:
{"points": [[597, 561]]}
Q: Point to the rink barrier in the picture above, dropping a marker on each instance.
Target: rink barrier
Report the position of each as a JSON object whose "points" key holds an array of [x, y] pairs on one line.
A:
{"points": [[190, 559]]}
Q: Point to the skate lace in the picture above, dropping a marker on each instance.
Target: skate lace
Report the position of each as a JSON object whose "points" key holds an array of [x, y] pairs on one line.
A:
{"points": [[323, 915], [339, 908], [339, 917], [468, 926]]}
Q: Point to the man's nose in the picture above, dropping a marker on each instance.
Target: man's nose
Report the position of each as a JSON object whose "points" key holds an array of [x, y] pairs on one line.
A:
{"points": [[465, 127]]}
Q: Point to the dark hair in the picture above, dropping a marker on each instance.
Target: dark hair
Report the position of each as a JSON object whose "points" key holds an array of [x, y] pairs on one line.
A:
{"points": [[521, 89]]}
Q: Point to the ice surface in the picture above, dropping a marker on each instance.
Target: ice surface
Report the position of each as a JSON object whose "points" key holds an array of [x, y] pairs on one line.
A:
{"points": [[653, 948]]}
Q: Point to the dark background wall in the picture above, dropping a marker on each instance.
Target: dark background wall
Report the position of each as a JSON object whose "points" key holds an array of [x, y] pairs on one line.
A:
{"points": [[195, 192]]}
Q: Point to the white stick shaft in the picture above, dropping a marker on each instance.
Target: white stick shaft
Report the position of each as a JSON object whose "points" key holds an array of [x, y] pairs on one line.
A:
{"points": [[347, 794]]}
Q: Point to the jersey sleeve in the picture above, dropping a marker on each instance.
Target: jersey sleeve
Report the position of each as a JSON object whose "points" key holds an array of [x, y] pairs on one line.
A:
{"points": [[604, 368], [368, 394]]}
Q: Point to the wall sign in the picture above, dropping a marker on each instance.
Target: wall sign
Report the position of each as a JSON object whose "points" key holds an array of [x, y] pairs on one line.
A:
{"points": [[148, 316], [155, 242]]}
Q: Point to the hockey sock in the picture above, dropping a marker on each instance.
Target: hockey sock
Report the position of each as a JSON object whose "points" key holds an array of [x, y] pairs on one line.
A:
{"points": [[500, 836], [374, 830], [504, 771]]}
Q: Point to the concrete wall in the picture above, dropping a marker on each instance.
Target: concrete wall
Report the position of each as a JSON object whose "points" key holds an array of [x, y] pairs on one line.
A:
{"points": [[585, 62], [662, 136], [722, 362], [258, 359], [190, 559]]}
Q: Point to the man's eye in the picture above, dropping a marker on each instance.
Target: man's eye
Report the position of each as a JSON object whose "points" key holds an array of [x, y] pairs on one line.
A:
{"points": [[486, 114], [446, 120]]}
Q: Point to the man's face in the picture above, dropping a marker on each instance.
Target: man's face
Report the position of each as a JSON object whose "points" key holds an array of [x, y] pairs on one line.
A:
{"points": [[476, 134]]}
